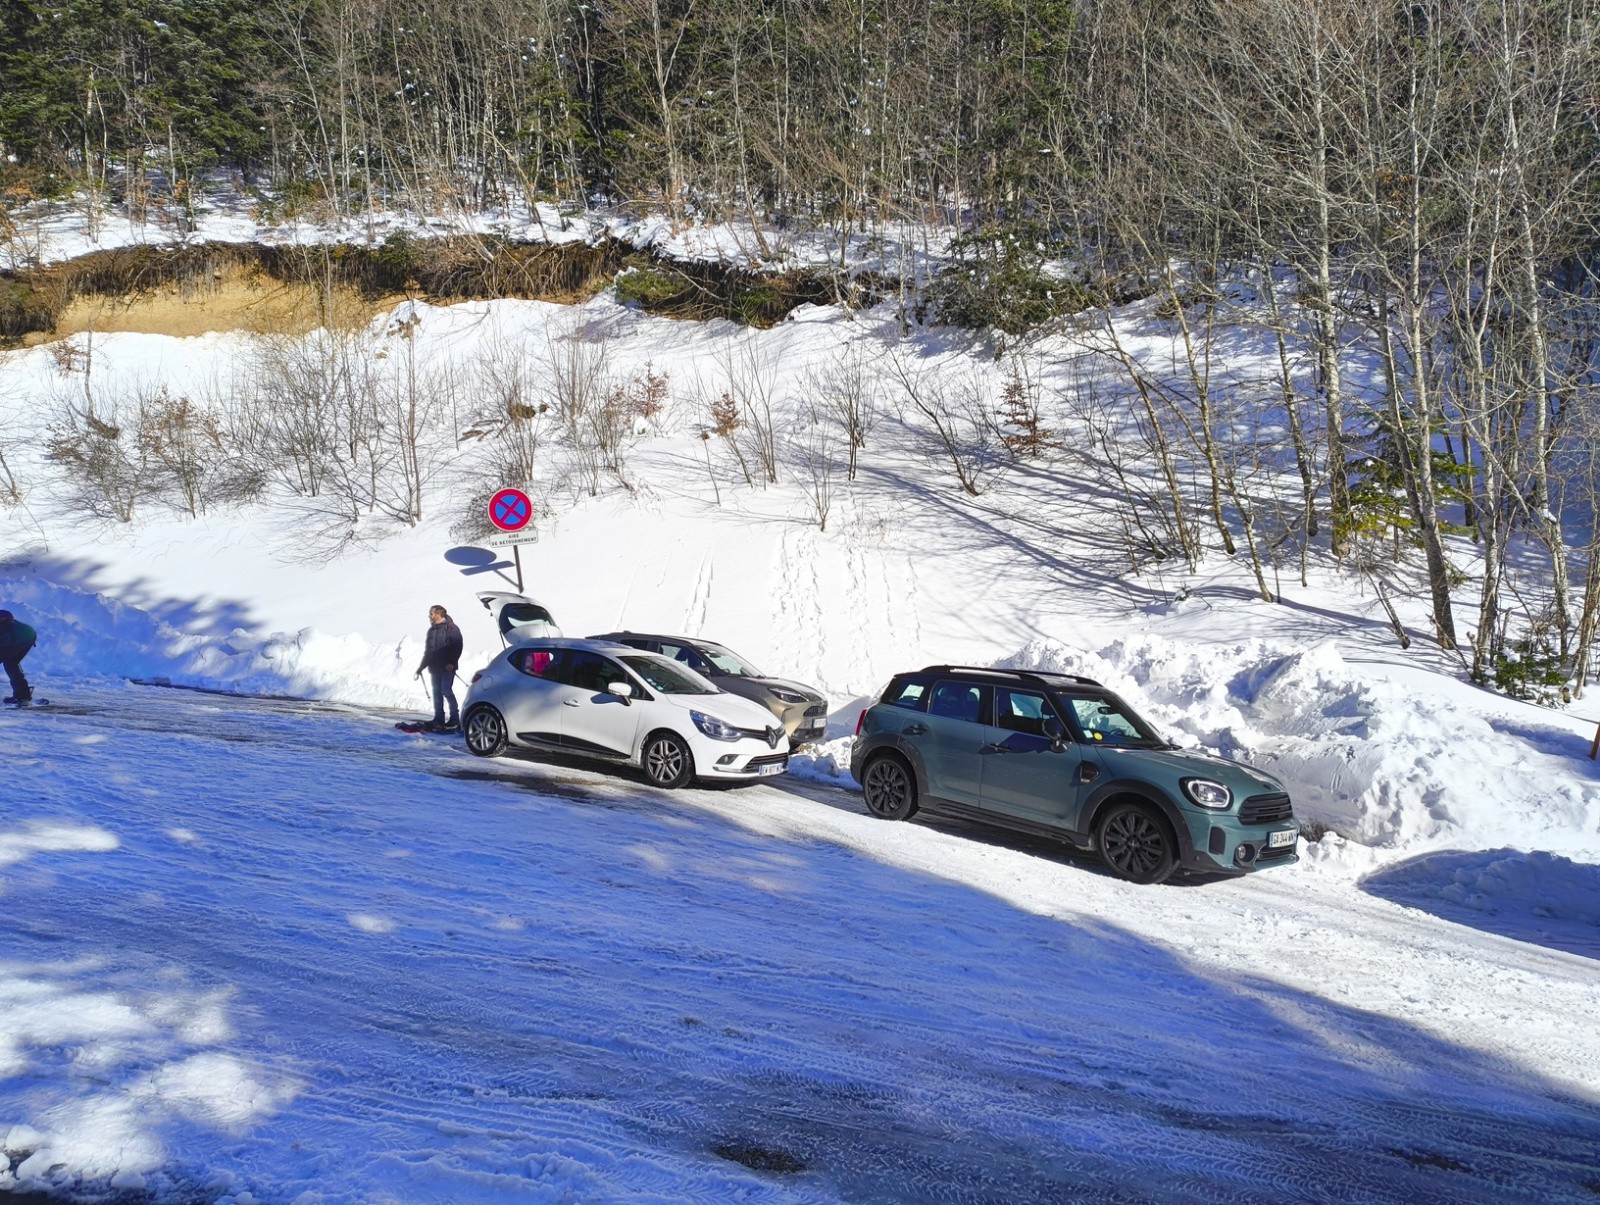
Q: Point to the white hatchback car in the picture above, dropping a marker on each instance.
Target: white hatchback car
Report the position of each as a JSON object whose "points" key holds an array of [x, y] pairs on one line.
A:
{"points": [[621, 704]]}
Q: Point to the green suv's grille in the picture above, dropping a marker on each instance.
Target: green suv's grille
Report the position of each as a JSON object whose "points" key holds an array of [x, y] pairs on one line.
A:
{"points": [[1265, 809]]}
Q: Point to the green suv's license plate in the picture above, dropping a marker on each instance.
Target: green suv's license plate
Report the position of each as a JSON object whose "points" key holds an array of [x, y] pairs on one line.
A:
{"points": [[1279, 840]]}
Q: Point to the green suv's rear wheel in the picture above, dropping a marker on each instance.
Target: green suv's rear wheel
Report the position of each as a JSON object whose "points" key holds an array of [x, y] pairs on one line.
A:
{"points": [[890, 791], [1136, 844]]}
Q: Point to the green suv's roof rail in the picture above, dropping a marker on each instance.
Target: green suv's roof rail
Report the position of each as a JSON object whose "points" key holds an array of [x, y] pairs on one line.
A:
{"points": [[1042, 676]]}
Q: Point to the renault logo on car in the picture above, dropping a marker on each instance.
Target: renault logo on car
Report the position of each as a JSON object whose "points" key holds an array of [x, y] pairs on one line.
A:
{"points": [[772, 737]]}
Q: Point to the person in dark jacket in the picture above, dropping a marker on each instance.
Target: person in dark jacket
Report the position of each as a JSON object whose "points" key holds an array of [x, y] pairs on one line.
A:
{"points": [[441, 654], [16, 638]]}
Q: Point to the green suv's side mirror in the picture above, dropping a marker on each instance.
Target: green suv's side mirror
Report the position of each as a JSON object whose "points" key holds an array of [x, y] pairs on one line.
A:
{"points": [[1056, 733]]}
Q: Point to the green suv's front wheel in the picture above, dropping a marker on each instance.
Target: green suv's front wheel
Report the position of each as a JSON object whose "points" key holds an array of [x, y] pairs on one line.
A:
{"points": [[890, 791], [1136, 844]]}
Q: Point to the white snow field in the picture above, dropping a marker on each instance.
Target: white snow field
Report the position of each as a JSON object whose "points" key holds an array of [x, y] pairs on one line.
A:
{"points": [[269, 949]]}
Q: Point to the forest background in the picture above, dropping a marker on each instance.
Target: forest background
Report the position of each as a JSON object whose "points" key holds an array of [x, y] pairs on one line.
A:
{"points": [[1401, 198]]}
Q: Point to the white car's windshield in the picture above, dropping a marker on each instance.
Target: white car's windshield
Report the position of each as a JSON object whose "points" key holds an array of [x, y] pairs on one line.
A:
{"points": [[668, 678], [729, 662]]}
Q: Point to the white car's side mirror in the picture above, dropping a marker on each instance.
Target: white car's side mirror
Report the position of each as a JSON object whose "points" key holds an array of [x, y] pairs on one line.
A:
{"points": [[623, 690]]}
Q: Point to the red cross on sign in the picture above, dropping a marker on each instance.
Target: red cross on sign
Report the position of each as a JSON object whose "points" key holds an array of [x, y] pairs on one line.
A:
{"points": [[510, 510]]}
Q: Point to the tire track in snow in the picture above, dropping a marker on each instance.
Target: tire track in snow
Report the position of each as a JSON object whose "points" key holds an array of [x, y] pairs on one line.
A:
{"points": [[700, 597]]}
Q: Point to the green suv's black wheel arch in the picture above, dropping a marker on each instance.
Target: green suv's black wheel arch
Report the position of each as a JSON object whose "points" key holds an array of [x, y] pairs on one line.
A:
{"points": [[484, 730], [889, 788], [1136, 843], [666, 760]]}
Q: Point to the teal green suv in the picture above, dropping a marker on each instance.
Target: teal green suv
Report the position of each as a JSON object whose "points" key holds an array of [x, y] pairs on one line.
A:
{"points": [[1061, 756]]}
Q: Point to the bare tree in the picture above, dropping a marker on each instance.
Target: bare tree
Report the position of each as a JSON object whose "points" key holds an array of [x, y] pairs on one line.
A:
{"points": [[847, 387], [578, 377], [815, 455], [110, 471], [751, 371], [959, 415]]}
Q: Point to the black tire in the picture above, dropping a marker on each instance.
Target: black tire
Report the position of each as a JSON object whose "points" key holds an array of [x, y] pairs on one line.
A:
{"points": [[1137, 844], [667, 761], [484, 730], [889, 788]]}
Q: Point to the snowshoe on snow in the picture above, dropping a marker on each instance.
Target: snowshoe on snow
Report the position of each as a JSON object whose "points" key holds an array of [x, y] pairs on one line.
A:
{"points": [[424, 726], [12, 701]]}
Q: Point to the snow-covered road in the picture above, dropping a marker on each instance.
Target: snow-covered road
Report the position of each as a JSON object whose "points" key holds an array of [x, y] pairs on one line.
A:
{"points": [[279, 949]]}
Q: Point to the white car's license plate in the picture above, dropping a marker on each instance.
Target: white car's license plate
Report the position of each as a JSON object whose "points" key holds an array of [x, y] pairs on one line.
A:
{"points": [[768, 771], [1278, 840]]}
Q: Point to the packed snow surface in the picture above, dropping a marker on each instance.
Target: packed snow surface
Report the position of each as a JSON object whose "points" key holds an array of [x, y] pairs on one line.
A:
{"points": [[280, 949]]}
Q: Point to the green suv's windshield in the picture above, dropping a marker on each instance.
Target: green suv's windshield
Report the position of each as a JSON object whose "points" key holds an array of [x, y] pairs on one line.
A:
{"points": [[668, 678], [1108, 722], [729, 662]]}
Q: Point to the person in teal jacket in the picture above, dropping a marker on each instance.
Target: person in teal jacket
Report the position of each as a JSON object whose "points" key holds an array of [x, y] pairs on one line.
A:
{"points": [[16, 638]]}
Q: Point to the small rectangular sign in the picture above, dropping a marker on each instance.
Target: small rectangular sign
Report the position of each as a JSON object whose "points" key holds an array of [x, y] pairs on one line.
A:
{"points": [[506, 539]]}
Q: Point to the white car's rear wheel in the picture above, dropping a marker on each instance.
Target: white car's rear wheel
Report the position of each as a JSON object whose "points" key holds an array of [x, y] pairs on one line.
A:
{"points": [[485, 731], [667, 761]]}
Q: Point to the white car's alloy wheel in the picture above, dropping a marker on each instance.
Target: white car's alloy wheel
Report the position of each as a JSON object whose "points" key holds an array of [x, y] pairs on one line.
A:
{"points": [[667, 760]]}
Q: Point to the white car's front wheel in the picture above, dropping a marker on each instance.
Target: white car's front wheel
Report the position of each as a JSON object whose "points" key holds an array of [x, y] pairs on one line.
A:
{"points": [[667, 761]]}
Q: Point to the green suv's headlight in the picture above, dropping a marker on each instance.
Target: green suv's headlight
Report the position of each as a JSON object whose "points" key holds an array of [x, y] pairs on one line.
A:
{"points": [[785, 696], [1206, 793], [713, 727]]}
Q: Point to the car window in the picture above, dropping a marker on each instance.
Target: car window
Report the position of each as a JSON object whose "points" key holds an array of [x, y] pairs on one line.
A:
{"points": [[669, 677], [538, 663], [729, 662], [913, 696], [518, 615], [957, 701], [590, 671], [685, 654], [1021, 711], [633, 642], [1109, 722]]}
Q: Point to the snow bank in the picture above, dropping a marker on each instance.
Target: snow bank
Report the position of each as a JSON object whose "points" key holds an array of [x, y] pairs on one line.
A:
{"points": [[827, 762], [1536, 897], [1387, 766], [86, 636]]}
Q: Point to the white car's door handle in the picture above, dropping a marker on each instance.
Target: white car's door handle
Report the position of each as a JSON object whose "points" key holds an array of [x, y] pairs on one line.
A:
{"points": [[569, 702]]}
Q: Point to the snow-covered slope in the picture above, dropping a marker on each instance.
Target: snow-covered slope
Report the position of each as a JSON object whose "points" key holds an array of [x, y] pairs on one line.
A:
{"points": [[1391, 749]]}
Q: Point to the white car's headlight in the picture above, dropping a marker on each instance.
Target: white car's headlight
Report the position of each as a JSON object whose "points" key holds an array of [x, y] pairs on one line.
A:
{"points": [[1207, 794], [785, 696], [714, 728]]}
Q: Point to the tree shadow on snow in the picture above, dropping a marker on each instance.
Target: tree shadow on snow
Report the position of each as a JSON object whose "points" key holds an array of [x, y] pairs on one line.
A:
{"points": [[659, 991], [215, 617], [1539, 898]]}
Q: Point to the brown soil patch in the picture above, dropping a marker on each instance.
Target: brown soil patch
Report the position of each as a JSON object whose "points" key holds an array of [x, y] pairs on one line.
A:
{"points": [[196, 289], [233, 299]]}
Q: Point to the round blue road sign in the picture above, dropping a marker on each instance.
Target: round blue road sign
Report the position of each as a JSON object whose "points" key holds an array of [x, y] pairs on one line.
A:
{"points": [[510, 510]]}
